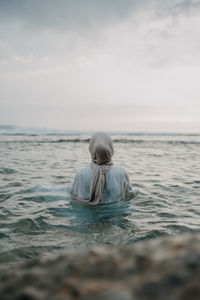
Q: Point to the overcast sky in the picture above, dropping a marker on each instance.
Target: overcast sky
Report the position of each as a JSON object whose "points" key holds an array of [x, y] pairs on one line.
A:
{"points": [[123, 65]]}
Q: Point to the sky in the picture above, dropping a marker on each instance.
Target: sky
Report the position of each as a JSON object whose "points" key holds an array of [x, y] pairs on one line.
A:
{"points": [[113, 65]]}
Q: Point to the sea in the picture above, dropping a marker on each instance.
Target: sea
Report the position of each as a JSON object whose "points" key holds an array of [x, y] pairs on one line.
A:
{"points": [[38, 217]]}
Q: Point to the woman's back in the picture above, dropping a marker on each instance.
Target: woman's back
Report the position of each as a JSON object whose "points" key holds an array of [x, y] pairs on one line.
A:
{"points": [[116, 187], [101, 182]]}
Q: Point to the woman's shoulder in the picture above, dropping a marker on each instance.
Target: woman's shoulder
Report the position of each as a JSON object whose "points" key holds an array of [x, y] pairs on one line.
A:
{"points": [[83, 172], [119, 170]]}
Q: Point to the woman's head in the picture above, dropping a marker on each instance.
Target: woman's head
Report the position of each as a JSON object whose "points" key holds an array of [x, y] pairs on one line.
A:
{"points": [[101, 148]]}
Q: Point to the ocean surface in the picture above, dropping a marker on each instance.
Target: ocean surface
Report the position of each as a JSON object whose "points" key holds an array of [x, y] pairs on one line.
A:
{"points": [[38, 217]]}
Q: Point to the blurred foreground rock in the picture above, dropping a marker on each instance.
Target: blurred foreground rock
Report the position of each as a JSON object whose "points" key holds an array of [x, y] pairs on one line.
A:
{"points": [[166, 268]]}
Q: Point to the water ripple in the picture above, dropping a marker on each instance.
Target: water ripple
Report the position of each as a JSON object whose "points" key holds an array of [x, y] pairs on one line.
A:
{"points": [[38, 217], [6, 171]]}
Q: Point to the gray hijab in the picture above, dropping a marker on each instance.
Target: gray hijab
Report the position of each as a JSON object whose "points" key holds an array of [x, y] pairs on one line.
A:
{"points": [[101, 150]]}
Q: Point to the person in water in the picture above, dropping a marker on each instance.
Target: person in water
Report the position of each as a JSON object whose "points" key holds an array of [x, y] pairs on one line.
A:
{"points": [[101, 182]]}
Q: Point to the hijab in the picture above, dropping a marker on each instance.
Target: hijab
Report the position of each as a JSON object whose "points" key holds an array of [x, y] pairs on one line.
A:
{"points": [[101, 150]]}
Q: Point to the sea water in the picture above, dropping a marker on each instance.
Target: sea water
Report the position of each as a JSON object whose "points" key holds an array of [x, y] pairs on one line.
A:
{"points": [[37, 216]]}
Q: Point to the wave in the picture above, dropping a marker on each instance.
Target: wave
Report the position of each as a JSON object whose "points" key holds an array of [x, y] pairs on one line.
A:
{"points": [[118, 140]]}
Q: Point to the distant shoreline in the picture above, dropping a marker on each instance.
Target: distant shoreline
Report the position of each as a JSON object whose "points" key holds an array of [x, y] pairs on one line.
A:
{"points": [[19, 130]]}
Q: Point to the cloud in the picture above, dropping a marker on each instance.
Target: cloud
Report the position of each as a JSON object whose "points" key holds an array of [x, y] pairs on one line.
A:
{"points": [[79, 15], [64, 14], [88, 60], [58, 26]]}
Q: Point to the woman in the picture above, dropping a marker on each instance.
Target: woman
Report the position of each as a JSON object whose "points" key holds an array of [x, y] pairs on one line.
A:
{"points": [[101, 182]]}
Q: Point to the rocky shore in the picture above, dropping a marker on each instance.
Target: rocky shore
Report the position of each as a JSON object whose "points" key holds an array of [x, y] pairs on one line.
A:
{"points": [[167, 268]]}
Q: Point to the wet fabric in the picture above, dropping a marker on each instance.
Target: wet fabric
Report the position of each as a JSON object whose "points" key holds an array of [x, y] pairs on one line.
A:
{"points": [[101, 150], [116, 188]]}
